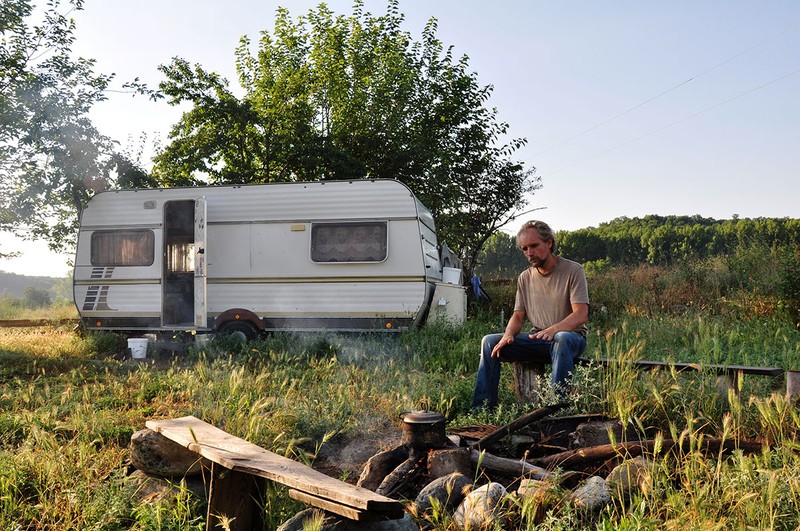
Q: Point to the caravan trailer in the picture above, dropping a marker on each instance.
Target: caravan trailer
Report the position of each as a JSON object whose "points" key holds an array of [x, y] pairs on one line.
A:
{"points": [[337, 255]]}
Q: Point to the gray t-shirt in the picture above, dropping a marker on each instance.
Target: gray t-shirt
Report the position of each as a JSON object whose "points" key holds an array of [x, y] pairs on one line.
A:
{"points": [[546, 300]]}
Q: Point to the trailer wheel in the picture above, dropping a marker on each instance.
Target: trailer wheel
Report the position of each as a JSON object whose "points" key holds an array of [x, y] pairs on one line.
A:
{"points": [[240, 330]]}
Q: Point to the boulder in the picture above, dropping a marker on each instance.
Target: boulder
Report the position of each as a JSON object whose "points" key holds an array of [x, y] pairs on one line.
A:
{"points": [[592, 495], [448, 491], [480, 507], [599, 432], [156, 455], [444, 462], [539, 495], [151, 489], [631, 474]]}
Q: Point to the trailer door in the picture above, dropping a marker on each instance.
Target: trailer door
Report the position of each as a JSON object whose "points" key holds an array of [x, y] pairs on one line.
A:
{"points": [[200, 273]]}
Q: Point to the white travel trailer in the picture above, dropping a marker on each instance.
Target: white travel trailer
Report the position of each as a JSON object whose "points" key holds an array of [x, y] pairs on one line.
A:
{"points": [[336, 255]]}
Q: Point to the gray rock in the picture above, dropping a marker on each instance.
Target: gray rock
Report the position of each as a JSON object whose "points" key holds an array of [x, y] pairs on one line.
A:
{"points": [[595, 433], [480, 506], [156, 455], [592, 495], [539, 496], [448, 491], [631, 474], [329, 522], [445, 461], [151, 489]]}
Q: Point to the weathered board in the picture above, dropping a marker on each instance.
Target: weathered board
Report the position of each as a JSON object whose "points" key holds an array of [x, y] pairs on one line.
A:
{"points": [[241, 456]]}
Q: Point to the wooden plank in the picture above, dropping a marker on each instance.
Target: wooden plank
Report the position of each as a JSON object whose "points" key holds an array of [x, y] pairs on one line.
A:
{"points": [[758, 371], [344, 510], [234, 497], [689, 366], [237, 454]]}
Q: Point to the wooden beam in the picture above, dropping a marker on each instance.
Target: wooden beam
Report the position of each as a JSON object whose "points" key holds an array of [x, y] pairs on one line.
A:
{"points": [[343, 510]]}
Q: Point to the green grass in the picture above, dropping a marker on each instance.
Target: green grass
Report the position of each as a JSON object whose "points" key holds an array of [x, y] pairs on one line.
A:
{"points": [[68, 408]]}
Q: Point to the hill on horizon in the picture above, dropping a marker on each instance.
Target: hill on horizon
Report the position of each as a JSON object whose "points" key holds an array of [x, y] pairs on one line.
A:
{"points": [[14, 285]]}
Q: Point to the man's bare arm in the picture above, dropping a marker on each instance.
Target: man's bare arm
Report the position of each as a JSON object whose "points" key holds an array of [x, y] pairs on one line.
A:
{"points": [[513, 328]]}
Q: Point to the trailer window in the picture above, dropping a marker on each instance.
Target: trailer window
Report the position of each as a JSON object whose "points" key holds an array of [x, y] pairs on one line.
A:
{"points": [[123, 248], [349, 242]]}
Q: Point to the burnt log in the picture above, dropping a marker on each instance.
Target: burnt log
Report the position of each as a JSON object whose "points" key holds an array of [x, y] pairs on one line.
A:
{"points": [[520, 423], [508, 467], [381, 465], [603, 452], [405, 475]]}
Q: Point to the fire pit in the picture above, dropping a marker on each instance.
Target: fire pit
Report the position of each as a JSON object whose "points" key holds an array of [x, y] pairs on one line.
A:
{"points": [[404, 470]]}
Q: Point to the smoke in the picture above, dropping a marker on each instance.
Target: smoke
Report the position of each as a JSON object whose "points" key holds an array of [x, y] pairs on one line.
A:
{"points": [[363, 349]]}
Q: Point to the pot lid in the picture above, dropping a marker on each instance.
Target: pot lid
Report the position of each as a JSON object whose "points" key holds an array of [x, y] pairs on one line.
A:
{"points": [[423, 417]]}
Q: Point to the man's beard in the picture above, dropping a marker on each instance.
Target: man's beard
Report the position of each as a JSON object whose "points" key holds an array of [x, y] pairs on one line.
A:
{"points": [[536, 262]]}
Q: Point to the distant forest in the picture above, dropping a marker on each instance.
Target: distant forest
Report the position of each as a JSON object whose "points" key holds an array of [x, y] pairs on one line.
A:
{"points": [[13, 285], [653, 240]]}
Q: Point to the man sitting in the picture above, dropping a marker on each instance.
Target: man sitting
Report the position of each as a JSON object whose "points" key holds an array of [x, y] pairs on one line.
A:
{"points": [[553, 295]]}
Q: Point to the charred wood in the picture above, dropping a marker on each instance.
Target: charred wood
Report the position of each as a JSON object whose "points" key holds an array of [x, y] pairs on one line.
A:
{"points": [[404, 476], [521, 422], [509, 467], [582, 456]]}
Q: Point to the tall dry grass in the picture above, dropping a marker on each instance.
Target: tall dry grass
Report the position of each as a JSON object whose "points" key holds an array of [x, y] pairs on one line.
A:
{"points": [[69, 404]]}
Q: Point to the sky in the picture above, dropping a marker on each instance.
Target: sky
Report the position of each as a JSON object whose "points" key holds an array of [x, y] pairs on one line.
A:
{"points": [[629, 108]]}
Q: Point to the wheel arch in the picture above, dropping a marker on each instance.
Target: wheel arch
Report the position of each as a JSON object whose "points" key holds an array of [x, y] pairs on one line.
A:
{"points": [[238, 314]]}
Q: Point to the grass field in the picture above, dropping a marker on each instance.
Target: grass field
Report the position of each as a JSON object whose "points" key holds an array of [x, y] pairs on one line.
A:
{"points": [[69, 405]]}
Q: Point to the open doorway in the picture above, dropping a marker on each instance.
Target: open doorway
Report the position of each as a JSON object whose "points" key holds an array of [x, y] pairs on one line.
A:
{"points": [[179, 249]]}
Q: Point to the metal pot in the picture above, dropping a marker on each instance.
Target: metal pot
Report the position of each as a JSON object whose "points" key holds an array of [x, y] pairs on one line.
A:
{"points": [[423, 430]]}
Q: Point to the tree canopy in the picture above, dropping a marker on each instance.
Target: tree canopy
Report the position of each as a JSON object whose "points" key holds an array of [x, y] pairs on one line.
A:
{"points": [[328, 96], [51, 156]]}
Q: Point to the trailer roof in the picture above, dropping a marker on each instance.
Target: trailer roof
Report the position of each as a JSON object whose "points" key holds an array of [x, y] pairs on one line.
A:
{"points": [[323, 200]]}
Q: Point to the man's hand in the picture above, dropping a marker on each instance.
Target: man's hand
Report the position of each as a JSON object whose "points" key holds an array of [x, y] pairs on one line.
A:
{"points": [[546, 334], [505, 340]]}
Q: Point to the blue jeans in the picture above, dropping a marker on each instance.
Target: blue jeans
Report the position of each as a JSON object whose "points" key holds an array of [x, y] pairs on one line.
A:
{"points": [[560, 352]]}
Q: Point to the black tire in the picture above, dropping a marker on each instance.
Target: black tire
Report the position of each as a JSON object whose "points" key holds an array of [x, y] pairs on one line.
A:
{"points": [[241, 330]]}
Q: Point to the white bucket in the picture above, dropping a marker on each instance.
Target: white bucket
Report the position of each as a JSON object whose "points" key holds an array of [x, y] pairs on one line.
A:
{"points": [[138, 346], [451, 275]]}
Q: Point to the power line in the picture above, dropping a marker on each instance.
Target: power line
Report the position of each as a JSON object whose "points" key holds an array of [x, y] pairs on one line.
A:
{"points": [[654, 131], [623, 113]]}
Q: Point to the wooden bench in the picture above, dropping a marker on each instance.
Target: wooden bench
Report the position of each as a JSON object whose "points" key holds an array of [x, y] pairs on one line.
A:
{"points": [[238, 471], [527, 375]]}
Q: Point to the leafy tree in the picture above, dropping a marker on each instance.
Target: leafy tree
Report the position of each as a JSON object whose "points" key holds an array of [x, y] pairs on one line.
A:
{"points": [[51, 156], [351, 97], [500, 258], [36, 298]]}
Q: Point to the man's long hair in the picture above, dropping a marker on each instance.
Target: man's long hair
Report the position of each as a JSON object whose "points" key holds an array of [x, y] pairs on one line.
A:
{"points": [[545, 232]]}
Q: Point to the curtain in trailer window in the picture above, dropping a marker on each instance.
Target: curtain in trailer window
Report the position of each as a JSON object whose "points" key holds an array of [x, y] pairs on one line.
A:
{"points": [[349, 242], [123, 248]]}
